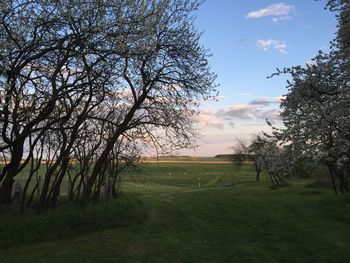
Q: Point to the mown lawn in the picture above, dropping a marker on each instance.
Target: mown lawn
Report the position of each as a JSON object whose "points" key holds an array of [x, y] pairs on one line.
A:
{"points": [[188, 222]]}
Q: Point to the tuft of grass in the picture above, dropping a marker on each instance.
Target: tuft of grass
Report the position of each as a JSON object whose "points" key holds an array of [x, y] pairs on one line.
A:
{"points": [[67, 221]]}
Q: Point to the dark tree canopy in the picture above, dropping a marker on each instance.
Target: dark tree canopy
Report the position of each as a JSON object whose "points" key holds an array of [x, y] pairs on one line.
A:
{"points": [[80, 80]]}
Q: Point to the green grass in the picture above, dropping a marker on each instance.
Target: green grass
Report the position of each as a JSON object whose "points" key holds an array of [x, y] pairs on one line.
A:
{"points": [[247, 222], [185, 159], [66, 221], [188, 175]]}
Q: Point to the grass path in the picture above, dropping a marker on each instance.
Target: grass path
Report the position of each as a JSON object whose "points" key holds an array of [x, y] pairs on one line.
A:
{"points": [[248, 223]]}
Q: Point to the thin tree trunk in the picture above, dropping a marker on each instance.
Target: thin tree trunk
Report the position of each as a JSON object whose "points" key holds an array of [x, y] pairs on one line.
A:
{"points": [[9, 172], [331, 172]]}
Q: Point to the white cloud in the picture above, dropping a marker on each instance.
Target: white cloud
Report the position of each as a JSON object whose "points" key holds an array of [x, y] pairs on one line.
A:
{"points": [[238, 111], [280, 98], [206, 118], [278, 45], [281, 18], [218, 127], [258, 109], [242, 112], [279, 11], [263, 101]]}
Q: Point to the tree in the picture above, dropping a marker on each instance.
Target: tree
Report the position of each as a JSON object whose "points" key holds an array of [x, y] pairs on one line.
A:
{"points": [[68, 68], [165, 71], [316, 110], [255, 151], [266, 155], [270, 157], [240, 153]]}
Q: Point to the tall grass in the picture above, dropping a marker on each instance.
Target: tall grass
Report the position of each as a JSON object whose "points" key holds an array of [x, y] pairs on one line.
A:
{"points": [[67, 221]]}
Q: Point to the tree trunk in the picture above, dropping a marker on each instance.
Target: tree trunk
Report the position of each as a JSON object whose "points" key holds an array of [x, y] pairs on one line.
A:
{"points": [[331, 172], [9, 172], [109, 147]]}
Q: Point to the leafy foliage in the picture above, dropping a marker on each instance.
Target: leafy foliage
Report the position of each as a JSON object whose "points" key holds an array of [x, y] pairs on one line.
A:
{"points": [[316, 109]]}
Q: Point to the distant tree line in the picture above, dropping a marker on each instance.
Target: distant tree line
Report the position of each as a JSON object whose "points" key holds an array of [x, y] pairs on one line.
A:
{"points": [[84, 83]]}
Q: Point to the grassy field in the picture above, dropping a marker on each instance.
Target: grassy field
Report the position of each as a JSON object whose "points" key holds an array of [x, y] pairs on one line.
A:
{"points": [[194, 216]]}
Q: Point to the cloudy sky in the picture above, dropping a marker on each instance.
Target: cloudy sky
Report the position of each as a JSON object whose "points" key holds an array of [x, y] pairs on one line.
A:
{"points": [[248, 40]]}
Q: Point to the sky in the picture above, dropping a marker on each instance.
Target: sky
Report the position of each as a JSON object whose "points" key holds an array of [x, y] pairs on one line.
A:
{"points": [[248, 40]]}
